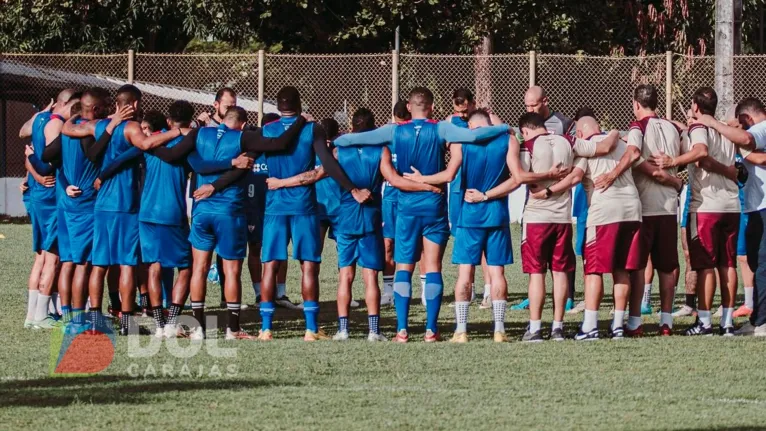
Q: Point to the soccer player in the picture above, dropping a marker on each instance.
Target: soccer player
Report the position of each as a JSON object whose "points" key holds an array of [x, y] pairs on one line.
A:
{"points": [[748, 278], [421, 222], [225, 98], [658, 189], [713, 224], [115, 217], [218, 214], [547, 228]]}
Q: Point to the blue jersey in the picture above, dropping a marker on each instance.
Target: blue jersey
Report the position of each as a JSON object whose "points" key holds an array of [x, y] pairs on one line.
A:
{"points": [[300, 158], [163, 199], [255, 187], [328, 195], [79, 172], [482, 171], [119, 193], [219, 143], [362, 165], [455, 185], [419, 145], [38, 192]]}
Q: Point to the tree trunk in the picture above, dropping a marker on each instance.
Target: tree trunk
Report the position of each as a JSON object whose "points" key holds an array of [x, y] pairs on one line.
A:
{"points": [[725, 45], [483, 73]]}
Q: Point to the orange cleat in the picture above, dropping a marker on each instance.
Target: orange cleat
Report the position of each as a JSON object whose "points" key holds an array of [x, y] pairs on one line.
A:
{"points": [[665, 331], [635, 333], [743, 311], [401, 337], [432, 337]]}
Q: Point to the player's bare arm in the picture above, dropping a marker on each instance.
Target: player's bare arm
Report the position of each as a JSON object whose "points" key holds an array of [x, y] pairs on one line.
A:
{"points": [[48, 181], [608, 144], [79, 130], [503, 189], [712, 165], [445, 176], [698, 152], [526, 177], [26, 128], [135, 136], [302, 179], [631, 156], [570, 181], [736, 135], [389, 173]]}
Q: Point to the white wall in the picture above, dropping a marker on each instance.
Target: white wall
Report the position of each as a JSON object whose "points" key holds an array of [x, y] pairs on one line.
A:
{"points": [[10, 197]]}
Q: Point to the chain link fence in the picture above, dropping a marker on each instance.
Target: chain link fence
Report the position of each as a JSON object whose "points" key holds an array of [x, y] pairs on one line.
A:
{"points": [[335, 86]]}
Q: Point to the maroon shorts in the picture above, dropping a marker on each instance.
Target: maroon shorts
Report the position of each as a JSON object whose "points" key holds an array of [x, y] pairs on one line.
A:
{"points": [[659, 238], [612, 247], [547, 246], [712, 239]]}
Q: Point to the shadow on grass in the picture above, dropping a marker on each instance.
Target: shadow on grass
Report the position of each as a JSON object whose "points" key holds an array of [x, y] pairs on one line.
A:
{"points": [[108, 389]]}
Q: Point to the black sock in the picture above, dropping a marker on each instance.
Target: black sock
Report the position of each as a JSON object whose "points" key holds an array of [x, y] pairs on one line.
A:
{"points": [[159, 316], [125, 320], [233, 312], [173, 312], [198, 311], [571, 279], [691, 301], [144, 300], [221, 277]]}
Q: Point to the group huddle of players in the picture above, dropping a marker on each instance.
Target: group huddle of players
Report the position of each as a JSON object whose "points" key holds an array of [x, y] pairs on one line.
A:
{"points": [[107, 188]]}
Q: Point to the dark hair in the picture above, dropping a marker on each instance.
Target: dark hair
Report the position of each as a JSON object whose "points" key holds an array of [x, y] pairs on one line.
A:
{"points": [[480, 113], [585, 111], [646, 96], [225, 90], [750, 104], [331, 128], [76, 95], [236, 112], [76, 109], [181, 112], [462, 95], [270, 118], [531, 120], [400, 110], [101, 100], [421, 96], [289, 100], [362, 120], [128, 94], [155, 119], [706, 100]]}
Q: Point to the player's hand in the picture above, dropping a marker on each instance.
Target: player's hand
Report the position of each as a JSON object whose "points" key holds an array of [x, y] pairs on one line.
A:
{"points": [[603, 182], [49, 181], [204, 118], [734, 123], [414, 176], [184, 130], [666, 179], [204, 192], [23, 187], [434, 189], [97, 184], [558, 172], [49, 107], [309, 118], [73, 191], [473, 196], [28, 150], [663, 161], [361, 196], [242, 162], [122, 114], [705, 120], [274, 183]]}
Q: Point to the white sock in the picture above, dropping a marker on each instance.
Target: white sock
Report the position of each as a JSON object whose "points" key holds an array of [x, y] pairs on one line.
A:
{"points": [[666, 319], [41, 311], [590, 321], [461, 315], [388, 285], [257, 289], [487, 291], [498, 312], [423, 282], [749, 298], [647, 294], [32, 304], [281, 290], [634, 322], [618, 318], [726, 317], [535, 325], [557, 325], [55, 305], [704, 316]]}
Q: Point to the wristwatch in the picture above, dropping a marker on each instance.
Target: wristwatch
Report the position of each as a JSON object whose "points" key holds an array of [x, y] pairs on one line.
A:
{"points": [[484, 197], [548, 192]]}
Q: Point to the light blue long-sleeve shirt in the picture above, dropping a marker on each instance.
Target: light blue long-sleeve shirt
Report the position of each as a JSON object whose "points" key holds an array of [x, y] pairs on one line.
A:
{"points": [[446, 130]]}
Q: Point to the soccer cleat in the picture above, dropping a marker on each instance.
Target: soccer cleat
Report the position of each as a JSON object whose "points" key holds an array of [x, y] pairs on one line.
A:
{"points": [[726, 332], [616, 333], [238, 335], [340, 336], [646, 309], [743, 311], [718, 312], [386, 300], [319, 335], [587, 336], [373, 337], [570, 304], [699, 329], [635, 333], [124, 332], [532, 337], [523, 305], [557, 334], [459, 338], [284, 302], [46, 323], [486, 303], [401, 337], [760, 331], [265, 335], [28, 324], [685, 311], [111, 313], [173, 331], [354, 304], [665, 331], [197, 334], [579, 308], [500, 337], [431, 337], [159, 333]]}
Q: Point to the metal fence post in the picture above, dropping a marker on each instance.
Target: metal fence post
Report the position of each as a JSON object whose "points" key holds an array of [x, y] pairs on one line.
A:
{"points": [[131, 65], [394, 79], [532, 68], [669, 85], [261, 80]]}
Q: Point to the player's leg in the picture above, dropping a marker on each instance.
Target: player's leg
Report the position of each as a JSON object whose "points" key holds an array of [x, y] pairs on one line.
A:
{"points": [[80, 292], [179, 296], [372, 301], [113, 286], [594, 292], [345, 280], [726, 261], [748, 277], [66, 275], [621, 293], [690, 282], [198, 286], [434, 242], [703, 262], [536, 252], [638, 279], [466, 253], [128, 295], [646, 299], [142, 287], [95, 294], [304, 231], [47, 280], [233, 291], [154, 282], [33, 288], [406, 254], [462, 302], [254, 266], [562, 266], [268, 290], [388, 272]]}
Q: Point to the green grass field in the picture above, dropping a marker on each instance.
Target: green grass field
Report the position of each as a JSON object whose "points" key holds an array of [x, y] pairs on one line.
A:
{"points": [[650, 383]]}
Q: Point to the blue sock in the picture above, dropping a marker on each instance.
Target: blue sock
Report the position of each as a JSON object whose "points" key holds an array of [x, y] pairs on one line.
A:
{"points": [[402, 294], [78, 316], [267, 313], [434, 291], [310, 312], [343, 324], [167, 275], [66, 313], [372, 320]]}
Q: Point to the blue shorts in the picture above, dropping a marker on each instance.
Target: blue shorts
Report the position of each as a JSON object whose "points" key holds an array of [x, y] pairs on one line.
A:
{"points": [[410, 231], [254, 227], [75, 236], [455, 204], [302, 230], [44, 226], [687, 199], [366, 250], [166, 244], [741, 248], [472, 242], [580, 239], [115, 238], [328, 223], [389, 218], [224, 233]]}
